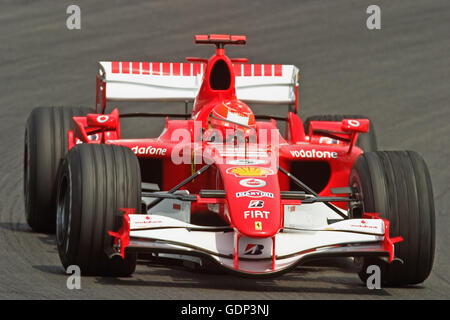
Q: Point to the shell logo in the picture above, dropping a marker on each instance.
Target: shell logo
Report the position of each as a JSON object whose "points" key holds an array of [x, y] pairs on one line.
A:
{"points": [[249, 171]]}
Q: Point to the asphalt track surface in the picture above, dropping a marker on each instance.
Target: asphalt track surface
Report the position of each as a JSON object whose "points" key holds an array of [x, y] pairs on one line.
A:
{"points": [[399, 76]]}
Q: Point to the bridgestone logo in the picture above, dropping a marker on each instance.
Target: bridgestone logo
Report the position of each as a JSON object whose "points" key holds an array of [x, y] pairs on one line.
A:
{"points": [[254, 249], [314, 154]]}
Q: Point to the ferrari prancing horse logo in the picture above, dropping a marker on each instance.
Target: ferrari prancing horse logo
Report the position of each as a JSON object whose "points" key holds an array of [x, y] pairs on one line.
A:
{"points": [[258, 225]]}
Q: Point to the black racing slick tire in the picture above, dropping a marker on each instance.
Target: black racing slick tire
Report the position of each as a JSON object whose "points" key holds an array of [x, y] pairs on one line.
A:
{"points": [[45, 146], [397, 185], [366, 141], [94, 182]]}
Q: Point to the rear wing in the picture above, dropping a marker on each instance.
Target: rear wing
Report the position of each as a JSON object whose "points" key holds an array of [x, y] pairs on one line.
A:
{"points": [[167, 81]]}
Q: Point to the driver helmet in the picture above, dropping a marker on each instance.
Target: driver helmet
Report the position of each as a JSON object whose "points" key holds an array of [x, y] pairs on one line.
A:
{"points": [[231, 117]]}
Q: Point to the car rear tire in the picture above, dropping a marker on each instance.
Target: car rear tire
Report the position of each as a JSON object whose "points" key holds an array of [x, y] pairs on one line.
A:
{"points": [[95, 181], [45, 146], [397, 185], [366, 141]]}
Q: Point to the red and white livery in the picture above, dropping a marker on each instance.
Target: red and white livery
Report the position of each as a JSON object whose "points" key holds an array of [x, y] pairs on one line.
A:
{"points": [[221, 183]]}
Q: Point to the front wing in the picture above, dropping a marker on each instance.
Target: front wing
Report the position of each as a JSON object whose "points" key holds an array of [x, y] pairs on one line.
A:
{"points": [[254, 256]]}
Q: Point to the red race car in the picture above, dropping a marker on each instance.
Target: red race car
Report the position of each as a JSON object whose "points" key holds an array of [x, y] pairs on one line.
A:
{"points": [[220, 185]]}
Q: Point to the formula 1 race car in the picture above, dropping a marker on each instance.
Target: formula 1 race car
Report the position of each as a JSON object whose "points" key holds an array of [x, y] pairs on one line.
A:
{"points": [[220, 185]]}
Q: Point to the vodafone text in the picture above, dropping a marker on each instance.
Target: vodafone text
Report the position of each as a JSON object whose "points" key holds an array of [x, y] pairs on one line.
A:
{"points": [[314, 154], [149, 150]]}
